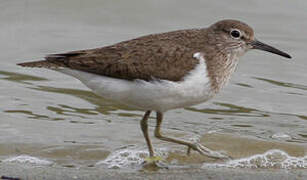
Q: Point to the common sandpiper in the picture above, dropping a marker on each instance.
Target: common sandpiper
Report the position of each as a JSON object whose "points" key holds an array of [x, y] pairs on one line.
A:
{"points": [[160, 72]]}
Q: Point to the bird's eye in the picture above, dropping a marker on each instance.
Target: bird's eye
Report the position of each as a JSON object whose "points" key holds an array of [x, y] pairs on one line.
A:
{"points": [[235, 33]]}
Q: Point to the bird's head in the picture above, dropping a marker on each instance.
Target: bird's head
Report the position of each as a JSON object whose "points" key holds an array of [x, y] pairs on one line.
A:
{"points": [[236, 37]]}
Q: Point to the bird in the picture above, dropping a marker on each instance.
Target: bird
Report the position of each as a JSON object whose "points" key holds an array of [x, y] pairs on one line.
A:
{"points": [[161, 72]]}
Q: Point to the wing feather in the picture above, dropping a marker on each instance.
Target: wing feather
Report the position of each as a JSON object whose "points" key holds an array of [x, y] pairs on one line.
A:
{"points": [[160, 56]]}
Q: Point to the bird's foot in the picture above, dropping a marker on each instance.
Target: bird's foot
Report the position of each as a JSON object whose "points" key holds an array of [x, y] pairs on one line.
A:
{"points": [[153, 159], [154, 162], [207, 152]]}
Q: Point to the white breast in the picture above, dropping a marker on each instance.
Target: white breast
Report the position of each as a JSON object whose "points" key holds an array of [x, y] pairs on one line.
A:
{"points": [[158, 95]]}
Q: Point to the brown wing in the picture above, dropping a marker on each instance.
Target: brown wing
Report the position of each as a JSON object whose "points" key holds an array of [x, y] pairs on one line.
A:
{"points": [[144, 58]]}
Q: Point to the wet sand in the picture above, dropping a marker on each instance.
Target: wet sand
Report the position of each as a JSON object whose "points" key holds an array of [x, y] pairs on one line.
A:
{"points": [[237, 147], [28, 172], [185, 167]]}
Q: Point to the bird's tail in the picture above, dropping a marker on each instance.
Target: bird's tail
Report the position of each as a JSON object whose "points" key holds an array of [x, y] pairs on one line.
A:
{"points": [[40, 64], [52, 61]]}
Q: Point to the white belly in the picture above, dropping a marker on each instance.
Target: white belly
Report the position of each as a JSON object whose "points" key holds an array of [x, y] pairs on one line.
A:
{"points": [[158, 95]]}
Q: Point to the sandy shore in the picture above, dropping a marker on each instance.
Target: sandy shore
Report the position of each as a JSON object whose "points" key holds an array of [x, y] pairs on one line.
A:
{"points": [[188, 167], [29, 172]]}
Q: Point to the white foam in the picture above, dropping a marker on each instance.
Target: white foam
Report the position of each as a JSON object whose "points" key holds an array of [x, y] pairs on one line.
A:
{"points": [[28, 159], [270, 159], [281, 136], [128, 158]]}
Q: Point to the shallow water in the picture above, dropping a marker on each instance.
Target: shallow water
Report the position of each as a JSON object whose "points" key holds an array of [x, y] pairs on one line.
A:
{"points": [[53, 117]]}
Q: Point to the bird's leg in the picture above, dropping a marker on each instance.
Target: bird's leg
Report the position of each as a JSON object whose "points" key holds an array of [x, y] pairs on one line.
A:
{"points": [[195, 146], [144, 128]]}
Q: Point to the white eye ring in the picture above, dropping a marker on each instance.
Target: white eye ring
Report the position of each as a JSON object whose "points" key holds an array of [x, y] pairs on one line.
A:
{"points": [[235, 33]]}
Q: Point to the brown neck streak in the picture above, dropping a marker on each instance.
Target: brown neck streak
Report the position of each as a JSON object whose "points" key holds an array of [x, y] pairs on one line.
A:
{"points": [[221, 59], [220, 67]]}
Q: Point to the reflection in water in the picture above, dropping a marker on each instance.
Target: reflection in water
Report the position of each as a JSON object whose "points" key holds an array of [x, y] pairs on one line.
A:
{"points": [[19, 78], [283, 84], [102, 106], [234, 110], [244, 85], [70, 111], [31, 114], [302, 117], [241, 125], [303, 135], [79, 122]]}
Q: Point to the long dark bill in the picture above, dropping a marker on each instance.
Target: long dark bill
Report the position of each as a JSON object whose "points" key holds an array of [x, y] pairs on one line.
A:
{"points": [[261, 46]]}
